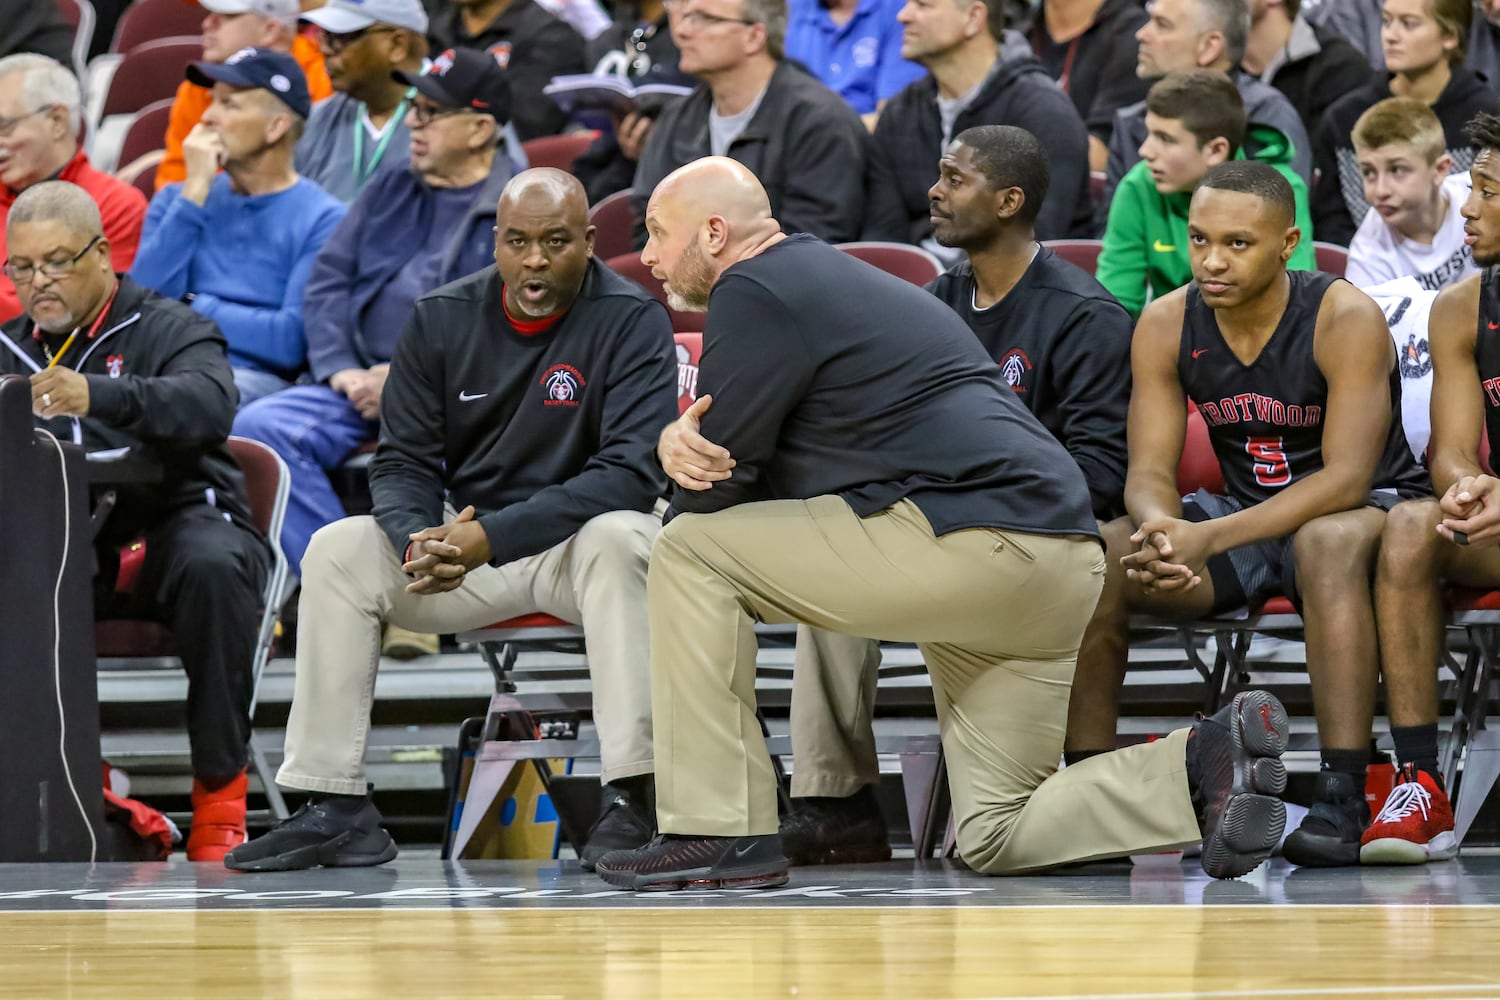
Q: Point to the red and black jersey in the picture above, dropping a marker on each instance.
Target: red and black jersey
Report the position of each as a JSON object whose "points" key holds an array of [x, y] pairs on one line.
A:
{"points": [[1265, 418], [1487, 349]]}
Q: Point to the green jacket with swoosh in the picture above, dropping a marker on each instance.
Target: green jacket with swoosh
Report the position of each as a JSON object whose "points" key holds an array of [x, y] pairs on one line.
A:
{"points": [[1145, 252]]}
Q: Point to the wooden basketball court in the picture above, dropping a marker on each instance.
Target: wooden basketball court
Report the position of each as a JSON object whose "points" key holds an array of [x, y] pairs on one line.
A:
{"points": [[421, 928]]}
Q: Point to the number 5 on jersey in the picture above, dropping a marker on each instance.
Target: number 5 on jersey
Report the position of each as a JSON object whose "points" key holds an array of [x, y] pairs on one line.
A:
{"points": [[1270, 461]]}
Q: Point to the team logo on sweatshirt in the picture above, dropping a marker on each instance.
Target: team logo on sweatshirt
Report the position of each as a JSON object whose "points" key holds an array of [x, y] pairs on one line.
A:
{"points": [[115, 365], [564, 385], [501, 54], [1013, 368]]}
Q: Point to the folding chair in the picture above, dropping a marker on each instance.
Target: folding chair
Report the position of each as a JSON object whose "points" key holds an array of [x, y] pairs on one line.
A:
{"points": [[148, 20], [1084, 253], [558, 150], [613, 220], [910, 263], [629, 265], [131, 643]]}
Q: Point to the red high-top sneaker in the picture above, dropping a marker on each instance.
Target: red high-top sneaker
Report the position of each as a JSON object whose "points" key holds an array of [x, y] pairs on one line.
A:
{"points": [[1414, 827], [218, 820]]}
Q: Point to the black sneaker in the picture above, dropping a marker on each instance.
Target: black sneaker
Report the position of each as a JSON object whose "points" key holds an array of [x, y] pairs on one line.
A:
{"points": [[836, 831], [1329, 835], [673, 862], [1235, 774], [336, 831], [627, 820]]}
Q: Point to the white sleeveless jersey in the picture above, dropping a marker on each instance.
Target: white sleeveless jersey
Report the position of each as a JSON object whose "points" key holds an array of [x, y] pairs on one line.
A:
{"points": [[1406, 305]]}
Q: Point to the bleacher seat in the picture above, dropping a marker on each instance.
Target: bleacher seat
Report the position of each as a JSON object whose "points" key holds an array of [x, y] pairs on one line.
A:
{"points": [[629, 265], [145, 133], [1331, 258], [613, 219], [148, 20], [905, 261], [81, 17], [127, 643], [149, 73], [557, 150], [1084, 253]]}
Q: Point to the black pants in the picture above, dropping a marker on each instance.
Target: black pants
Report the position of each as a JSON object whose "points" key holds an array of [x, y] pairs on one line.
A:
{"points": [[204, 578]]}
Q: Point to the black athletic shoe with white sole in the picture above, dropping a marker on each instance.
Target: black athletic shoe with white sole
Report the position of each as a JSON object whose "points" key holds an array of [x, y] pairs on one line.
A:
{"points": [[335, 831], [1235, 775], [674, 862]]}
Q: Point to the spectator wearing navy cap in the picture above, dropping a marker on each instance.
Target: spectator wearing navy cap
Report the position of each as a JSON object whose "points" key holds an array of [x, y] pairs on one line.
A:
{"points": [[414, 227], [363, 124], [238, 246]]}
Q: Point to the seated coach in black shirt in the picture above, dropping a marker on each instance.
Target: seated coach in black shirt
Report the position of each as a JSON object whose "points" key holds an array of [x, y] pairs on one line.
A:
{"points": [[116, 366], [1063, 346], [530, 395], [875, 475]]}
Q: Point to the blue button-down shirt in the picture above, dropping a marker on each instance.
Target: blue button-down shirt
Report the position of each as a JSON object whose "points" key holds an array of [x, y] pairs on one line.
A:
{"points": [[861, 59]]}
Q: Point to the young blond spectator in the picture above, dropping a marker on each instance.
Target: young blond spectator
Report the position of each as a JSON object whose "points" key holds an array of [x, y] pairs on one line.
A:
{"points": [[1414, 226]]}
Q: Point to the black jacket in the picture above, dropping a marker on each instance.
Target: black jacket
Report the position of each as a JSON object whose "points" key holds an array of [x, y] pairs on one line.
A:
{"points": [[1338, 199], [1317, 75], [909, 142], [830, 376], [1063, 346], [532, 45], [804, 143], [30, 26], [540, 433], [159, 384], [1099, 65]]}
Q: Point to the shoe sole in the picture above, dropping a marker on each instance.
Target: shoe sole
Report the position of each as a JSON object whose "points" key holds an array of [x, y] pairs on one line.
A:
{"points": [[760, 877], [332, 854], [1395, 851], [1254, 818], [868, 854]]}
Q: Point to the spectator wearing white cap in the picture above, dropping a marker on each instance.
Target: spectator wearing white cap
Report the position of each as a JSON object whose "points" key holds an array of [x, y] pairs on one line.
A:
{"points": [[238, 245], [228, 27], [363, 124]]}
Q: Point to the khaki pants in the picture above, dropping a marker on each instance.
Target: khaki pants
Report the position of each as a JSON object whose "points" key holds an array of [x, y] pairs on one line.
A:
{"points": [[352, 585], [998, 616], [834, 680]]}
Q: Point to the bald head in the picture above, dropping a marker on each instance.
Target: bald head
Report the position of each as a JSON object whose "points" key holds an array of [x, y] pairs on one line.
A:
{"points": [[545, 190], [701, 220], [714, 186]]}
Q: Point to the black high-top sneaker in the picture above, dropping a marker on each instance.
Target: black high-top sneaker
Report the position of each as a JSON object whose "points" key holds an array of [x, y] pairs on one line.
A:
{"points": [[627, 819], [836, 831], [1235, 774], [339, 831], [1329, 835]]}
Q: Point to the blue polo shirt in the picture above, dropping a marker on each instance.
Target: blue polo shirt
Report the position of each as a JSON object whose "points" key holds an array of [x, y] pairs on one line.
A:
{"points": [[860, 60]]}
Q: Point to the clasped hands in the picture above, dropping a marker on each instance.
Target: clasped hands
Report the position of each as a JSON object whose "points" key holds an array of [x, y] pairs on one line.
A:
{"points": [[1471, 511], [1171, 557], [439, 558]]}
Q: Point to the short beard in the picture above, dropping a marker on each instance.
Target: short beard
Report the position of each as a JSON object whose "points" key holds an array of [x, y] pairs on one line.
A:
{"points": [[66, 325], [688, 288]]}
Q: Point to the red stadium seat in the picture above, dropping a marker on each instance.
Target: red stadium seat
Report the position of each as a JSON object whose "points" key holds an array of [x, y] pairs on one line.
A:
{"points": [[268, 482], [1332, 258], [1097, 181], [1084, 253], [80, 16], [140, 173], [148, 73], [148, 20], [1199, 467], [910, 263], [629, 265], [557, 150], [614, 220], [147, 131]]}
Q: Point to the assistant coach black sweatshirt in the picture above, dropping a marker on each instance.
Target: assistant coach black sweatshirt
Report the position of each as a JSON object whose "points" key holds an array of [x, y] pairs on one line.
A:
{"points": [[830, 376], [539, 432]]}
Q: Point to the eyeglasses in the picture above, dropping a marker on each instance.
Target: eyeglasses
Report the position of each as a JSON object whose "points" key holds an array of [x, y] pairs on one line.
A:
{"points": [[334, 43], [696, 19], [423, 115], [8, 125], [22, 274]]}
